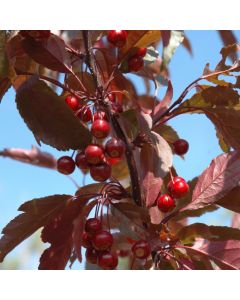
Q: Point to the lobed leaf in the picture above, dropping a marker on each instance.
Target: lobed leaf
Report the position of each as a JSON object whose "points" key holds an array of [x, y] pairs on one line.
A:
{"points": [[217, 180], [36, 213]]}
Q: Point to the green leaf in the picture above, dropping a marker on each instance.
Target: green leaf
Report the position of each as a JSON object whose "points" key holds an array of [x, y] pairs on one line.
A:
{"points": [[3, 56], [49, 117], [36, 213], [167, 132], [175, 40], [188, 234]]}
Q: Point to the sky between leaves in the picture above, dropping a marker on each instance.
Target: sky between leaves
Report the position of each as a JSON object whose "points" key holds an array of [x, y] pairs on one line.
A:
{"points": [[20, 182]]}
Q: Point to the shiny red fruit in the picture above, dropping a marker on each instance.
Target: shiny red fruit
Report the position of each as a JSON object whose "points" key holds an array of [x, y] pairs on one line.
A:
{"points": [[72, 102], [100, 115], [178, 187], [100, 129], [115, 148], [94, 154], [100, 172], [91, 255], [141, 52], [117, 37], [65, 165], [165, 203], [86, 240], [81, 161], [85, 114], [112, 161], [92, 226], [135, 63], [180, 147], [107, 260], [141, 249], [102, 240]]}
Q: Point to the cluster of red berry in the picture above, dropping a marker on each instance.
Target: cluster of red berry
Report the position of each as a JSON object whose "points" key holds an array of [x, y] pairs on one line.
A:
{"points": [[177, 187], [98, 243], [96, 157], [119, 38], [36, 34]]}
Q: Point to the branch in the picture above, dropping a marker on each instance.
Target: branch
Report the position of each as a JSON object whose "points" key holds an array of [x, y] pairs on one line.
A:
{"points": [[55, 82]]}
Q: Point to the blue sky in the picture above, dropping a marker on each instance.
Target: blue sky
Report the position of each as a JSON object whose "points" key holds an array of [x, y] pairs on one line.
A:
{"points": [[21, 182]]}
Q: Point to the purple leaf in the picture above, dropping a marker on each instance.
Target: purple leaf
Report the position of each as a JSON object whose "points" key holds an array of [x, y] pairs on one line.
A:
{"points": [[217, 180]]}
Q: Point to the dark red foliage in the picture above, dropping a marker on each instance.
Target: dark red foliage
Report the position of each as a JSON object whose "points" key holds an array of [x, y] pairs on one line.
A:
{"points": [[107, 260], [37, 34], [101, 172], [103, 240], [65, 165]]}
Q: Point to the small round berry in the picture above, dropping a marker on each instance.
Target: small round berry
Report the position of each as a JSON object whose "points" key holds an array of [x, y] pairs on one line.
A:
{"points": [[141, 249], [100, 115], [165, 203], [100, 172], [85, 114], [65, 165], [100, 129], [91, 255], [72, 102], [135, 63], [81, 161], [102, 240], [92, 226], [117, 37], [107, 260], [112, 161], [115, 148], [180, 147], [141, 52], [94, 154], [178, 187], [86, 240]]}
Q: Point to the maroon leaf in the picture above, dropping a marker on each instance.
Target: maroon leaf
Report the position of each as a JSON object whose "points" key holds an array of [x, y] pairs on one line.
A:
{"points": [[155, 215], [163, 105], [5, 84], [156, 159], [37, 213], [79, 224], [224, 258], [166, 34], [51, 53], [34, 157], [56, 257], [228, 38], [49, 117], [217, 180], [214, 233], [231, 200]]}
